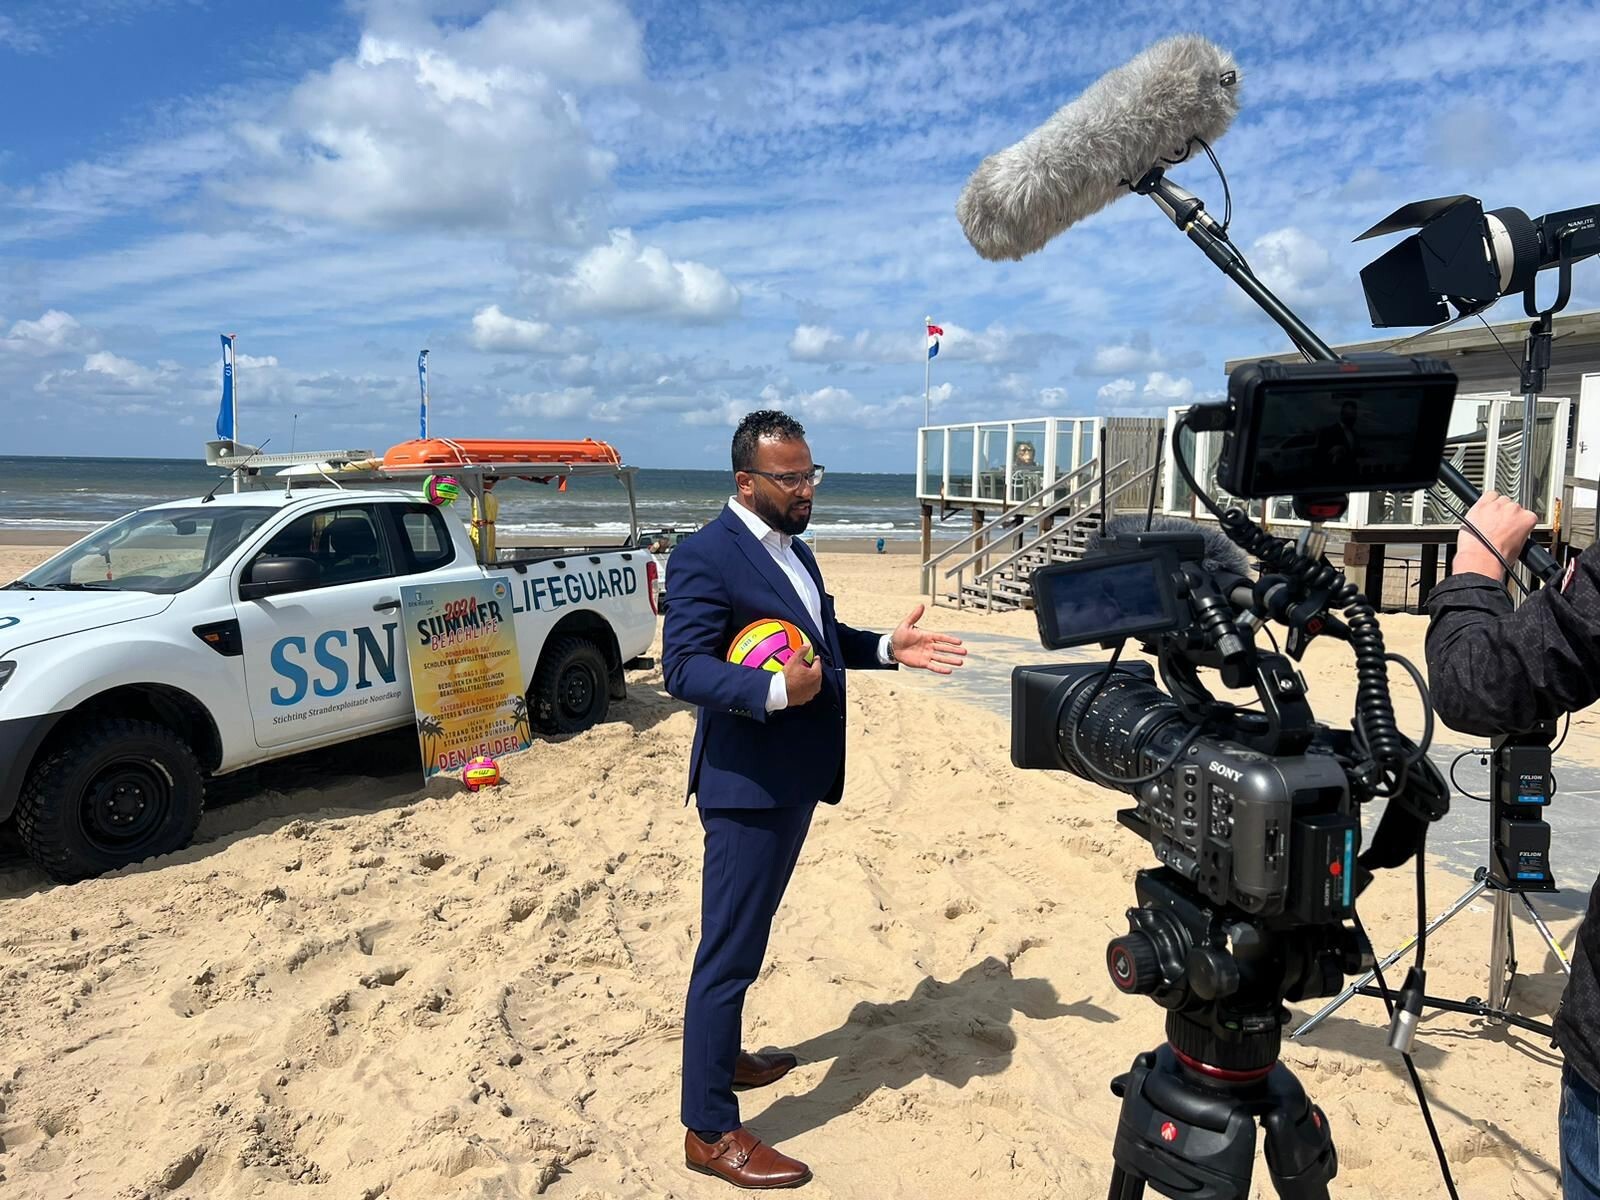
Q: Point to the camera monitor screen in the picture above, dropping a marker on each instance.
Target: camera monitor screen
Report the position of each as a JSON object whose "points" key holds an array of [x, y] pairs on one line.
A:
{"points": [[1321, 428], [1103, 599], [1326, 439]]}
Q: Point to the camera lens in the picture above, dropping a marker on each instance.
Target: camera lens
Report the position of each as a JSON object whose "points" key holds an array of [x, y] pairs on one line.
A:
{"points": [[1124, 728]]}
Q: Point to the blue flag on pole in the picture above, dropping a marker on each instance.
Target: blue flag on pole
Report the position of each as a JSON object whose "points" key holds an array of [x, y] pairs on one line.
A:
{"points": [[225, 413], [422, 380]]}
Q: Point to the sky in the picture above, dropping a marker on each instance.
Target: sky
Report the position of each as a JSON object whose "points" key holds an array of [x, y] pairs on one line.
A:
{"points": [[638, 221]]}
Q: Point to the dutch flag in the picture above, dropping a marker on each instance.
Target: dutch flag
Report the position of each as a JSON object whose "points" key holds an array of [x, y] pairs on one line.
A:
{"points": [[934, 334]]}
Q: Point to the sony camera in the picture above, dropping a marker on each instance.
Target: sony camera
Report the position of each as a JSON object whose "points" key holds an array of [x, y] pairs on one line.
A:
{"points": [[1255, 808]]}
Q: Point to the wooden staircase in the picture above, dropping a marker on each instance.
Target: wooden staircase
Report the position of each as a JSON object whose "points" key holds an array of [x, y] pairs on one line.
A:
{"points": [[991, 567], [1008, 587]]}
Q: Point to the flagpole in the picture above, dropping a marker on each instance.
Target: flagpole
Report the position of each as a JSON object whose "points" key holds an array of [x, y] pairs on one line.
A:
{"points": [[233, 353], [927, 367], [422, 373]]}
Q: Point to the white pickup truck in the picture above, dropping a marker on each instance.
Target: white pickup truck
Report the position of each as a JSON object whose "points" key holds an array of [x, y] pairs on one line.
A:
{"points": [[195, 638]]}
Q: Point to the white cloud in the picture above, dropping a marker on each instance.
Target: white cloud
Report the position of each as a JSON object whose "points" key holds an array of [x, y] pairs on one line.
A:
{"points": [[821, 344], [1168, 389], [1126, 397], [1015, 384], [55, 332], [1117, 393], [1476, 136], [625, 278], [995, 345], [813, 343], [247, 361], [839, 406], [493, 330], [105, 376], [1296, 266], [568, 402], [472, 126], [1053, 398], [1133, 355]]}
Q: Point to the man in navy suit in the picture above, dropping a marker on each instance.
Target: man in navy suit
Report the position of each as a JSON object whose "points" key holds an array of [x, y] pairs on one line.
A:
{"points": [[767, 748]]}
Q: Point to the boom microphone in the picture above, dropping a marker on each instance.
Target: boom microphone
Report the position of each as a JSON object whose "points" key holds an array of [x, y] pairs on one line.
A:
{"points": [[1220, 557], [1080, 160]]}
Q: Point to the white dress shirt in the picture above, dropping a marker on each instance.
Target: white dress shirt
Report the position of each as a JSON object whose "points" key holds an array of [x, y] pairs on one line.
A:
{"points": [[781, 547]]}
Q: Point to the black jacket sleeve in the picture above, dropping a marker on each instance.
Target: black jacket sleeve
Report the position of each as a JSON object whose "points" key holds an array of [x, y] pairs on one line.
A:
{"points": [[1495, 669]]}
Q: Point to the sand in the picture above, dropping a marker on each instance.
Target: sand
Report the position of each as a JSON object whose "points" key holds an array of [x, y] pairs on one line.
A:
{"points": [[355, 987]]}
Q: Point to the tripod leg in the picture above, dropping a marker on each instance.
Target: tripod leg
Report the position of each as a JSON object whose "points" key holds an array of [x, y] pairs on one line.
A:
{"points": [[1327, 1009], [1544, 932], [1502, 954], [1124, 1186], [1300, 1154]]}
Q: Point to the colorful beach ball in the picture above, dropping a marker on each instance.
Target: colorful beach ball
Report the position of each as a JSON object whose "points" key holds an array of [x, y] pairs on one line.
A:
{"points": [[768, 645], [482, 771], [442, 490]]}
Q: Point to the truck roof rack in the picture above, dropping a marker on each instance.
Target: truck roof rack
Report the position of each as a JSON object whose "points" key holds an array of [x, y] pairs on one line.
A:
{"points": [[237, 456]]}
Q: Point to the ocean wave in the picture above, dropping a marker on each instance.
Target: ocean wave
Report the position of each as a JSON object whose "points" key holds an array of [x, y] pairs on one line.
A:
{"points": [[47, 523]]}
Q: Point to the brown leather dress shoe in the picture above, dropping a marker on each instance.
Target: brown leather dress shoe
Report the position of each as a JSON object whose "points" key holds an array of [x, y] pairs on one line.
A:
{"points": [[758, 1070], [744, 1160]]}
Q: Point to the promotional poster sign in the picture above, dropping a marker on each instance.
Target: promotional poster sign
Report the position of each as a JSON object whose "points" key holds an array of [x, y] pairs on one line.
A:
{"points": [[466, 676]]}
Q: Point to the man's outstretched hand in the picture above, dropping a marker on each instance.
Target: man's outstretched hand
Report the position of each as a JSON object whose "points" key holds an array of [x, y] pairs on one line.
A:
{"points": [[936, 652]]}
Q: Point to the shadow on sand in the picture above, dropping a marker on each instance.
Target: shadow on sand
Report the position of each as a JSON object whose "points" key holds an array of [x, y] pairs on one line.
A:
{"points": [[950, 1031]]}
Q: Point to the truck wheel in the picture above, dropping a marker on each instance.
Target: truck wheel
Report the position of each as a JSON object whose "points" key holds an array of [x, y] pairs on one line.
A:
{"points": [[571, 690], [112, 792]]}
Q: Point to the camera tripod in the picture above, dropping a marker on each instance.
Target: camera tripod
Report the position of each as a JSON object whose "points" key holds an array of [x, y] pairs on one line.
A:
{"points": [[1189, 1130], [1187, 1126]]}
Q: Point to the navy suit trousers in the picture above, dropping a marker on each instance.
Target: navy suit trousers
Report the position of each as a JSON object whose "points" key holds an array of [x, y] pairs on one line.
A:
{"points": [[749, 855]]}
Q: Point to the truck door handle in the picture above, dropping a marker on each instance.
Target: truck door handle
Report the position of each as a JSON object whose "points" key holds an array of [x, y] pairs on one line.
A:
{"points": [[386, 606]]}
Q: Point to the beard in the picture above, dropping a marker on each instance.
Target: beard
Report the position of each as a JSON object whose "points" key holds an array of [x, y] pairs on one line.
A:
{"points": [[791, 519]]}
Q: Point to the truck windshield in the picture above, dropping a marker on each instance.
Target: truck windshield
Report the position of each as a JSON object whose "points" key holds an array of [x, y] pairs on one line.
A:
{"points": [[158, 550]]}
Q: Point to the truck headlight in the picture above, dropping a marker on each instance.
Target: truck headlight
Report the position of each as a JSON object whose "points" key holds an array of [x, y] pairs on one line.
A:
{"points": [[6, 670]]}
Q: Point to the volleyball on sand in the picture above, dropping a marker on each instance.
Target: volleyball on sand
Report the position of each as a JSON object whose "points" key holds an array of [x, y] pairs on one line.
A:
{"points": [[769, 644]]}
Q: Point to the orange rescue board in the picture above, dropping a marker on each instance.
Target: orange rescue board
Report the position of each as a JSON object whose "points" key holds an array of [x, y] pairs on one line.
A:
{"points": [[464, 452]]}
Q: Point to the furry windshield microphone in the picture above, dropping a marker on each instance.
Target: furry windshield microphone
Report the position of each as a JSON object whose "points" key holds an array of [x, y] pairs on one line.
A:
{"points": [[1088, 154], [1221, 555]]}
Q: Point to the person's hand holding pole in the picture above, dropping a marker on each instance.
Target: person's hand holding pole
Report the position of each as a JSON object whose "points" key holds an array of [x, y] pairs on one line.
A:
{"points": [[1506, 525]]}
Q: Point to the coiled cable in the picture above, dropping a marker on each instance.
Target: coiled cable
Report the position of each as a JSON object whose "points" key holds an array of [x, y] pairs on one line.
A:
{"points": [[1385, 772]]}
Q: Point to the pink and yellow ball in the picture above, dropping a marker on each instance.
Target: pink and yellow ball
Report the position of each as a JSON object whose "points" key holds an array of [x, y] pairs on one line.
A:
{"points": [[442, 489], [769, 644], [482, 771]]}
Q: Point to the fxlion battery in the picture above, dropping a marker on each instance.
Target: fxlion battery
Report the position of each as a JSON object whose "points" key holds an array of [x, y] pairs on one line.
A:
{"points": [[1522, 856], [1323, 861]]}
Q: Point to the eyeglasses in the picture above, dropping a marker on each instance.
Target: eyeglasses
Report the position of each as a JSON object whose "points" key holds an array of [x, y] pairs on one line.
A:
{"points": [[790, 481]]}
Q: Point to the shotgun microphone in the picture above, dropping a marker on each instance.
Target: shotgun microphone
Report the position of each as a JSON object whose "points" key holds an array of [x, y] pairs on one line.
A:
{"points": [[1143, 114]]}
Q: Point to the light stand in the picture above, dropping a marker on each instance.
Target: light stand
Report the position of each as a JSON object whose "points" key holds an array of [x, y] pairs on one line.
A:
{"points": [[1519, 773]]}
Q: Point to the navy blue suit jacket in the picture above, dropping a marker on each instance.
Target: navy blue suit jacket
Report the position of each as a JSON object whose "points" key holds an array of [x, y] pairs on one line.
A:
{"points": [[720, 579]]}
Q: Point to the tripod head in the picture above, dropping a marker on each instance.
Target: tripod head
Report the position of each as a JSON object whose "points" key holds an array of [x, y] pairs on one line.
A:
{"points": [[1189, 1108], [1222, 974]]}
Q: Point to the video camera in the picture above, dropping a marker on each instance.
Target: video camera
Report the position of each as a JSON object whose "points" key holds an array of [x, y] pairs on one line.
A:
{"points": [[1253, 812]]}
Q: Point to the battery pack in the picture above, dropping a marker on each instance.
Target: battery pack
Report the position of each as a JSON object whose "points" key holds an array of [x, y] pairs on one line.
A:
{"points": [[1323, 864]]}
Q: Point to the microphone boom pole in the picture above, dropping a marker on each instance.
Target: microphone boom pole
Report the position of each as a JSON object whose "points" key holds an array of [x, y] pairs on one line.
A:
{"points": [[1187, 212]]}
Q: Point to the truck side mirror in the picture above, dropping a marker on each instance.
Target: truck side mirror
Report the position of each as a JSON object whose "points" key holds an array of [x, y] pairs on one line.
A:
{"points": [[275, 576]]}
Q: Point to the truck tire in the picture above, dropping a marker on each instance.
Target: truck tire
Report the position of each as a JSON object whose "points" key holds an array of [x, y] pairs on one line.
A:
{"points": [[112, 792], [571, 688]]}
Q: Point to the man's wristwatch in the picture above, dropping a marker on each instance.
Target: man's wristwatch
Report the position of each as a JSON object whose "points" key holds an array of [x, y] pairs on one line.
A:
{"points": [[888, 648]]}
